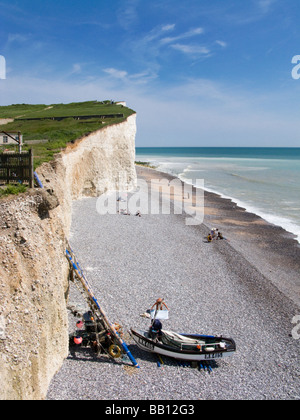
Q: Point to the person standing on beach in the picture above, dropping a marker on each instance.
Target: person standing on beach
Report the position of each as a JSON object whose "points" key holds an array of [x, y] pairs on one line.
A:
{"points": [[159, 305]]}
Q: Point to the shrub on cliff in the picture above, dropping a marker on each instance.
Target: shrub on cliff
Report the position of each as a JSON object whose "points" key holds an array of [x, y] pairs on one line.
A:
{"points": [[12, 190]]}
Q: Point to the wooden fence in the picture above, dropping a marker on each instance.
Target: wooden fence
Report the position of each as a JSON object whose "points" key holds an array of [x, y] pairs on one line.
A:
{"points": [[17, 167]]}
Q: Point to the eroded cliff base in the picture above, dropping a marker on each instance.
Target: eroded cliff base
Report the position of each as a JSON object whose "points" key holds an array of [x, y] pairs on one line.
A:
{"points": [[33, 290]]}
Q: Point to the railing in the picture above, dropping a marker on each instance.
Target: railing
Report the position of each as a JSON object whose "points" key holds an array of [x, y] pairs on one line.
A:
{"points": [[17, 168]]}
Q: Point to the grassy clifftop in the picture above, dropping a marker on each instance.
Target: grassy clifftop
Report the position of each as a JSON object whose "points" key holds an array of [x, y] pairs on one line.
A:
{"points": [[57, 133]]}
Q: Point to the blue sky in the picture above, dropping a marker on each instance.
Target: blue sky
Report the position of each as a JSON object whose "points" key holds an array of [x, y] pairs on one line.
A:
{"points": [[198, 72]]}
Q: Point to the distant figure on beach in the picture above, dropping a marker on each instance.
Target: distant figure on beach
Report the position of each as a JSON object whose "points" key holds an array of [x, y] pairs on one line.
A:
{"points": [[120, 199], [159, 305], [214, 233], [220, 236], [124, 212]]}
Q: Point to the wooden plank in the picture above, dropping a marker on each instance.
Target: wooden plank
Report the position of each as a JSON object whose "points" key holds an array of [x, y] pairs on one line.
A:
{"points": [[31, 176]]}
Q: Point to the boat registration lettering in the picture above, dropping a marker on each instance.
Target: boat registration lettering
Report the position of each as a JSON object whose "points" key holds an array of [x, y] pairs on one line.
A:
{"points": [[146, 344], [214, 356]]}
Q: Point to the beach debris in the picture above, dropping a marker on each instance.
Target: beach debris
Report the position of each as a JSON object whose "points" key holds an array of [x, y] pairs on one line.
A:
{"points": [[99, 332], [160, 362], [145, 315], [130, 370]]}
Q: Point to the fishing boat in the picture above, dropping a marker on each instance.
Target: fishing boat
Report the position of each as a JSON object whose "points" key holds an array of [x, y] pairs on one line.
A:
{"points": [[189, 347]]}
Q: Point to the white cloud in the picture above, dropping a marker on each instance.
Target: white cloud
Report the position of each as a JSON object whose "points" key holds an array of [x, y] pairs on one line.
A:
{"points": [[127, 14], [149, 50], [76, 69], [265, 5], [143, 77], [136, 78], [221, 43], [194, 50], [19, 38], [157, 32], [169, 27], [185, 35], [118, 74]]}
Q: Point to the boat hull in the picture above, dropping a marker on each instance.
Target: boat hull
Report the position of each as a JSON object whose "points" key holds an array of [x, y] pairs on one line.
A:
{"points": [[149, 345]]}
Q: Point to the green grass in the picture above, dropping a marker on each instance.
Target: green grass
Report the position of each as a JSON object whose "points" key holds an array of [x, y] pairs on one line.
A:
{"points": [[58, 133], [18, 110], [12, 190], [146, 164], [77, 109]]}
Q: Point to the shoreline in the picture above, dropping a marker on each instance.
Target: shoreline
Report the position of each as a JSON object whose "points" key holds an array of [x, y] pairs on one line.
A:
{"points": [[287, 222], [270, 248], [265, 216], [269, 218]]}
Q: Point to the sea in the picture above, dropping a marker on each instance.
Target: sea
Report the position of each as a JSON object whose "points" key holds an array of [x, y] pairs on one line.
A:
{"points": [[264, 181]]}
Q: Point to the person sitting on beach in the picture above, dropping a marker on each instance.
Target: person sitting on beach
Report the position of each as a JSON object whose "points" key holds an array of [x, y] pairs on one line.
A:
{"points": [[220, 236], [159, 305], [156, 330], [209, 238], [124, 212], [214, 233]]}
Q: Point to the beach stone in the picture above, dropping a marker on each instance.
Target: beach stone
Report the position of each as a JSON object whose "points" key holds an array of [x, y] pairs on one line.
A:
{"points": [[214, 288]]}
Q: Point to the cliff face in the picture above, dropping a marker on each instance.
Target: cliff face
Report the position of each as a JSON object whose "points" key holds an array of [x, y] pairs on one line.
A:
{"points": [[33, 268]]}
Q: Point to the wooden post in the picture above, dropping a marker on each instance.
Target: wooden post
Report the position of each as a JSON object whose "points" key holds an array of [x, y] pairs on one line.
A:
{"points": [[20, 142], [7, 171], [31, 177]]}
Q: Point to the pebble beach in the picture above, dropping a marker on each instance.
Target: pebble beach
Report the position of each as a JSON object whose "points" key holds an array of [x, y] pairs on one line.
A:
{"points": [[246, 287]]}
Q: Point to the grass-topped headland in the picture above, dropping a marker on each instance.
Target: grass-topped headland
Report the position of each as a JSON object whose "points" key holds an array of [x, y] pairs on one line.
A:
{"points": [[48, 128]]}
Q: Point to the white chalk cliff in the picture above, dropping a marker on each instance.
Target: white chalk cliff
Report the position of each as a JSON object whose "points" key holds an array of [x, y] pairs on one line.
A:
{"points": [[34, 228]]}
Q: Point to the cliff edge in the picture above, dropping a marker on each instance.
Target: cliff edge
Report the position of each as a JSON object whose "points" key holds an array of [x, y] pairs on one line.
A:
{"points": [[34, 272]]}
